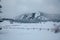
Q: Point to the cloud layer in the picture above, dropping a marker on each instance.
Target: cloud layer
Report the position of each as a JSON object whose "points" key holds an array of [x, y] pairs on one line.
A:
{"points": [[15, 7]]}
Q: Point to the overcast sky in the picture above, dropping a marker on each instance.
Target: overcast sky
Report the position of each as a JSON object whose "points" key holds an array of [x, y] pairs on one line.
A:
{"points": [[12, 8]]}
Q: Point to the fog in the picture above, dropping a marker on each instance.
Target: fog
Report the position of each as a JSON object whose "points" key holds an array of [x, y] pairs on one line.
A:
{"points": [[11, 8]]}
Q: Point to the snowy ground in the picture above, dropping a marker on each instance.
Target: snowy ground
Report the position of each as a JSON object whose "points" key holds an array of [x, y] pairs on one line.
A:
{"points": [[28, 34]]}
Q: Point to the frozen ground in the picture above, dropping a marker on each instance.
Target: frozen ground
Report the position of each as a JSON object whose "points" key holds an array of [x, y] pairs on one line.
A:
{"points": [[28, 34]]}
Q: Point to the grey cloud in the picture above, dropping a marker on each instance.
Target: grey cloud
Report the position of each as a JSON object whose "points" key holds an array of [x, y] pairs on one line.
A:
{"points": [[12, 8]]}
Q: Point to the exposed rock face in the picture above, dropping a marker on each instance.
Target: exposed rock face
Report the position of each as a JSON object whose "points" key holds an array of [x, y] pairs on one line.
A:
{"points": [[31, 18]]}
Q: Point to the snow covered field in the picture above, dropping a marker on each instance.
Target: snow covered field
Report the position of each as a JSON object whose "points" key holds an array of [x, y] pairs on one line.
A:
{"points": [[28, 34]]}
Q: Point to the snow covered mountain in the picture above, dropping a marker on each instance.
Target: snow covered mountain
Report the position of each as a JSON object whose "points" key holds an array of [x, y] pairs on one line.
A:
{"points": [[34, 18], [31, 18]]}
